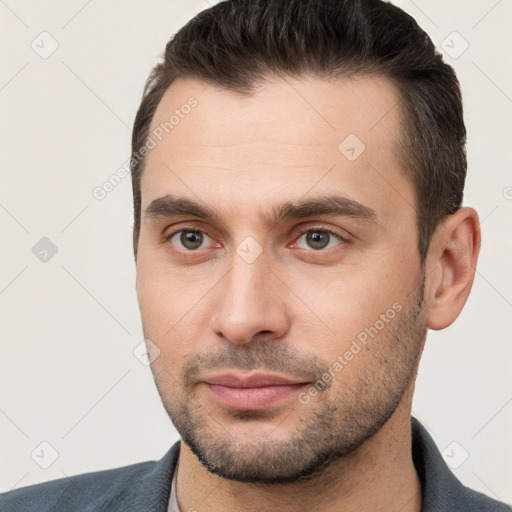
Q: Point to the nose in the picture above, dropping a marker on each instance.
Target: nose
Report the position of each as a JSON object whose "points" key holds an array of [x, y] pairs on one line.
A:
{"points": [[250, 302]]}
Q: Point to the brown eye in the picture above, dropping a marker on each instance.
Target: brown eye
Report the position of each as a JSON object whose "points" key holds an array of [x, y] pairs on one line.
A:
{"points": [[190, 240], [317, 240], [320, 239]]}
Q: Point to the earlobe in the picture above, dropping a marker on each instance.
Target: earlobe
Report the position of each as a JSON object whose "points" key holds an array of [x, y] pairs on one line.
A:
{"points": [[453, 257]]}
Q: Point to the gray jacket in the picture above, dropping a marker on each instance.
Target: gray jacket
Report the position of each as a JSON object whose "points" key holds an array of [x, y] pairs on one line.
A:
{"points": [[145, 487]]}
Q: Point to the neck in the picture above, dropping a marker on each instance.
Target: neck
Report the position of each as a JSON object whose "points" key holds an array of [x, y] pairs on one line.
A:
{"points": [[379, 476]]}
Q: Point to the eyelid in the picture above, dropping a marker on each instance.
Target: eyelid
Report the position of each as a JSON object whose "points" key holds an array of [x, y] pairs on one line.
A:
{"points": [[333, 231], [343, 240], [166, 237], [345, 237]]}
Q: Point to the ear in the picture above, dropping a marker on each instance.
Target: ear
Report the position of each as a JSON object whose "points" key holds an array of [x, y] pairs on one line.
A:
{"points": [[451, 266]]}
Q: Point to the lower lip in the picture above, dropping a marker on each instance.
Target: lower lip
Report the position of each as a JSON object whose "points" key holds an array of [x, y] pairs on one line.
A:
{"points": [[252, 398]]}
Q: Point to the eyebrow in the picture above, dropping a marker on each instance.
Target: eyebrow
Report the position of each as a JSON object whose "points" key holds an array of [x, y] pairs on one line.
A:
{"points": [[336, 205]]}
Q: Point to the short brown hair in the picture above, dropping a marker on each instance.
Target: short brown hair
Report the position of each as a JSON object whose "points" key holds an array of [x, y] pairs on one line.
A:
{"points": [[237, 43]]}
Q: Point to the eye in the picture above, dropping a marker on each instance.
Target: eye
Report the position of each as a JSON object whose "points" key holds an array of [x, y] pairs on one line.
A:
{"points": [[190, 239], [320, 238]]}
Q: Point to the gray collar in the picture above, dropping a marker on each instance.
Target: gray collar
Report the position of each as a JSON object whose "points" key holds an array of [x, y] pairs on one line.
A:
{"points": [[441, 490]]}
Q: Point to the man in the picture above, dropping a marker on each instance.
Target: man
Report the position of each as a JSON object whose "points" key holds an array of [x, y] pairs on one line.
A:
{"points": [[298, 169]]}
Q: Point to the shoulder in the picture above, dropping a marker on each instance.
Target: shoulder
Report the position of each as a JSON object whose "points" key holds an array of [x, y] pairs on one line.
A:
{"points": [[442, 490], [477, 501], [85, 492]]}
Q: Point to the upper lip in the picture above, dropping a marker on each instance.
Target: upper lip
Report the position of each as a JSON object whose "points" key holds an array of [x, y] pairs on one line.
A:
{"points": [[255, 380]]}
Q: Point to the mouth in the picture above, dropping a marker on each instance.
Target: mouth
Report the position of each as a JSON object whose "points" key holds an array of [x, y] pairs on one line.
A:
{"points": [[251, 392]]}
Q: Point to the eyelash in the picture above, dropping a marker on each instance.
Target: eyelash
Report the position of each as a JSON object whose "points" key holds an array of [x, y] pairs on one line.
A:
{"points": [[321, 229]]}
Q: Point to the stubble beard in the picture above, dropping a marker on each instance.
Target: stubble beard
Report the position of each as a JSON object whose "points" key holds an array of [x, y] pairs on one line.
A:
{"points": [[331, 426]]}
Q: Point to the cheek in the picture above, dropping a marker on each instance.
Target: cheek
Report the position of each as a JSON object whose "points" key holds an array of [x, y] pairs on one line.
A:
{"points": [[162, 326], [149, 293], [351, 304], [172, 308], [158, 298]]}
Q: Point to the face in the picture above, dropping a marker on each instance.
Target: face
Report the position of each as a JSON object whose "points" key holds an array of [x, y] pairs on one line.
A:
{"points": [[278, 275]]}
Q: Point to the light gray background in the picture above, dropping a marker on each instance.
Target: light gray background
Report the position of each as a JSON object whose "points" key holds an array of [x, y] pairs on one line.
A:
{"points": [[69, 326]]}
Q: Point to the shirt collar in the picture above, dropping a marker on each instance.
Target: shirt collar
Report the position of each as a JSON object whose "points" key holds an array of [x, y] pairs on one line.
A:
{"points": [[173, 502], [441, 490]]}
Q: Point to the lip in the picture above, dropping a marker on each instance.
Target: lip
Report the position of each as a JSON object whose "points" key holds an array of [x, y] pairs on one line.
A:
{"points": [[251, 392], [255, 380]]}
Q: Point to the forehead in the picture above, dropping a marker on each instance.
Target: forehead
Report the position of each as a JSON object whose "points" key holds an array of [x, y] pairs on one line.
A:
{"points": [[291, 136], [311, 108]]}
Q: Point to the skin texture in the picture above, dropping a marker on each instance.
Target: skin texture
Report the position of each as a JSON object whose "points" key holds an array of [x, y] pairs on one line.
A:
{"points": [[303, 299]]}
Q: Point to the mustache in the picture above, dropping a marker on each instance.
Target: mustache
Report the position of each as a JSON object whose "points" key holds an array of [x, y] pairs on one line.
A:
{"points": [[266, 355]]}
